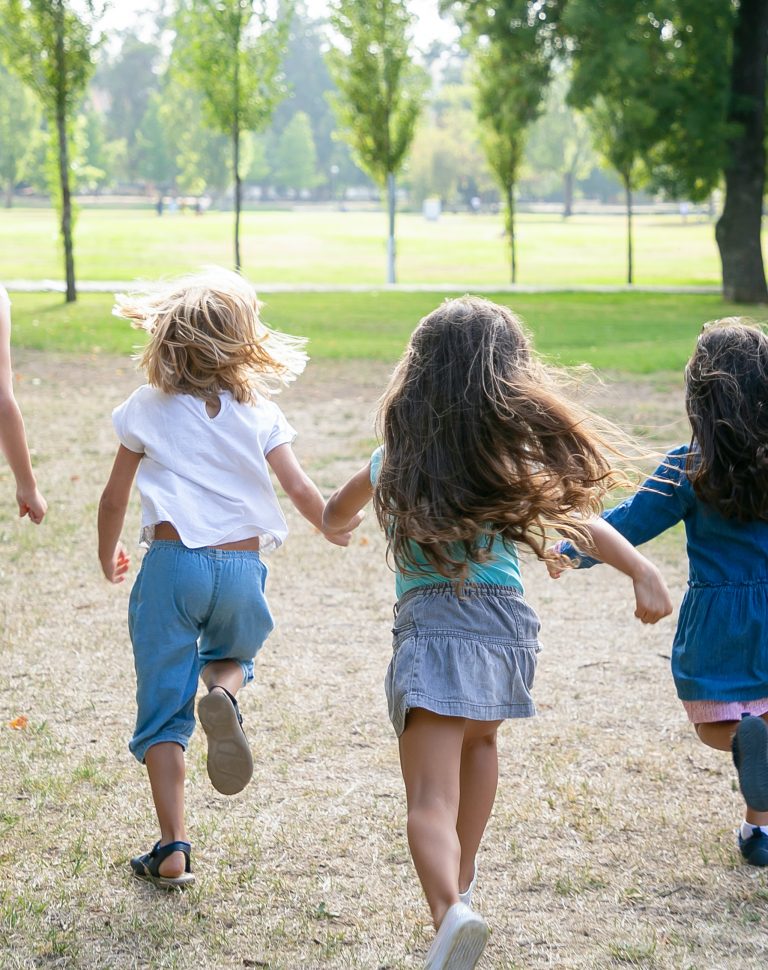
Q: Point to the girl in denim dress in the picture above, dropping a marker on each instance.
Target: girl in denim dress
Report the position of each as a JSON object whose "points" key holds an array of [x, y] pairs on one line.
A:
{"points": [[481, 451], [718, 487], [200, 437]]}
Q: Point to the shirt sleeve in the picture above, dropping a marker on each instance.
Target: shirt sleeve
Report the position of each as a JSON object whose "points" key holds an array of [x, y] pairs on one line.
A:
{"points": [[126, 424], [662, 501], [376, 459], [281, 434]]}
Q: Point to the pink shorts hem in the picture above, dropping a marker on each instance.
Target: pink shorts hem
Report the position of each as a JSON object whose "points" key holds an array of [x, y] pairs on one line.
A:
{"points": [[705, 712]]}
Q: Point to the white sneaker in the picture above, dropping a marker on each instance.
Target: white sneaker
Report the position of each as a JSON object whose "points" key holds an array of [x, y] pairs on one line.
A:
{"points": [[460, 940], [466, 896]]}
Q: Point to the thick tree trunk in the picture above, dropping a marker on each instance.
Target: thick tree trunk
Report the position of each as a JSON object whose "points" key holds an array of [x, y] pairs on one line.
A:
{"points": [[510, 194], [391, 201], [630, 256], [738, 228]]}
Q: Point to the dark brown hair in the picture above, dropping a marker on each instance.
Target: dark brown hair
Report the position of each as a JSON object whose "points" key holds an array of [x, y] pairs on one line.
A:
{"points": [[726, 395], [480, 442]]}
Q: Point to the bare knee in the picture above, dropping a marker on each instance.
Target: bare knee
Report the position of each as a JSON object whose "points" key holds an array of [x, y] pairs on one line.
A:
{"points": [[479, 737]]}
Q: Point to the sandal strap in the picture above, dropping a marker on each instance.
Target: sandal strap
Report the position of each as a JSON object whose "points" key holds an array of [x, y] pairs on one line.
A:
{"points": [[160, 853]]}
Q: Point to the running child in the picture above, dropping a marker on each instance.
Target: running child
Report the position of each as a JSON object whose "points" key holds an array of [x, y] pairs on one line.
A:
{"points": [[718, 487], [481, 451], [13, 440], [202, 434]]}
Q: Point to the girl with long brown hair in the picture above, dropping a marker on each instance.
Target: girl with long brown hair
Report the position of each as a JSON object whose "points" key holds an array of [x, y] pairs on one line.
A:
{"points": [[717, 485], [481, 451]]}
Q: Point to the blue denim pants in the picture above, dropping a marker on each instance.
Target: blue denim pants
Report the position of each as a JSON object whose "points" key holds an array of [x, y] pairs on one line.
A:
{"points": [[188, 608]]}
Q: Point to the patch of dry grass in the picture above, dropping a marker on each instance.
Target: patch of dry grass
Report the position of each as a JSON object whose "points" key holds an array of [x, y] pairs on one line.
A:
{"points": [[611, 844]]}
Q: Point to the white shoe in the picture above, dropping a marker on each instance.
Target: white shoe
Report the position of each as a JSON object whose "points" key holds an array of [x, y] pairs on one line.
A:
{"points": [[466, 896], [460, 940]]}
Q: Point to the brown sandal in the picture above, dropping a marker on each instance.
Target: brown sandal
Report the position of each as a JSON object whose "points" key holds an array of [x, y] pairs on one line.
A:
{"points": [[230, 763]]}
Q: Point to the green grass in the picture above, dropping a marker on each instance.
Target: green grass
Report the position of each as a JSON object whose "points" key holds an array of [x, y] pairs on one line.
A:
{"points": [[639, 333], [322, 246]]}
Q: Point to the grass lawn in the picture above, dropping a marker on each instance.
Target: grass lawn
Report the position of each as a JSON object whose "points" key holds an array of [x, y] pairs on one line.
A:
{"points": [[637, 333], [321, 246]]}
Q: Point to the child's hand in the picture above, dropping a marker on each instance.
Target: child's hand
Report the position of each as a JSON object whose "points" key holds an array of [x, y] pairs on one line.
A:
{"points": [[114, 569], [652, 599], [343, 536], [554, 568], [31, 503]]}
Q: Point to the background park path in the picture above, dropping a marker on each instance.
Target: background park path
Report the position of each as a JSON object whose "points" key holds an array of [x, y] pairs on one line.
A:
{"points": [[612, 840]]}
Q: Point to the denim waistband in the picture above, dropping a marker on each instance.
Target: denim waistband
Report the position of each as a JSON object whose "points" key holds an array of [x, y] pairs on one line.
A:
{"points": [[210, 551], [468, 590]]}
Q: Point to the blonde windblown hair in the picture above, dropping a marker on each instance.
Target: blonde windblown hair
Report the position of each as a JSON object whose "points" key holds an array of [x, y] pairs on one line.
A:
{"points": [[206, 336]]}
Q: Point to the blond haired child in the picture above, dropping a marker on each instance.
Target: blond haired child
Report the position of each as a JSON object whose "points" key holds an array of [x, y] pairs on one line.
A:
{"points": [[200, 436]]}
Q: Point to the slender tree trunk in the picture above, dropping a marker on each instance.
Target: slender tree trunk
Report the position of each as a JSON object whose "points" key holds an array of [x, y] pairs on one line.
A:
{"points": [[738, 228], [567, 194], [61, 134], [391, 202], [628, 196], [238, 191], [9, 193], [511, 231]]}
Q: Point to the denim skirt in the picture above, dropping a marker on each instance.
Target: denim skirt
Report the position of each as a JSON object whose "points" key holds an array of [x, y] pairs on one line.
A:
{"points": [[471, 655]]}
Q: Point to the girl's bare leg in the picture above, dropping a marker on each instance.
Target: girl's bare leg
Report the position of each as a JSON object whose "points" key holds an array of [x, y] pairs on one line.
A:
{"points": [[165, 766], [719, 735], [430, 759], [478, 779]]}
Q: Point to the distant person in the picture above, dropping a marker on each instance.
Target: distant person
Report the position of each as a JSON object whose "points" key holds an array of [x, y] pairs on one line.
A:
{"points": [[13, 440], [159, 205], [202, 434], [480, 451], [718, 487]]}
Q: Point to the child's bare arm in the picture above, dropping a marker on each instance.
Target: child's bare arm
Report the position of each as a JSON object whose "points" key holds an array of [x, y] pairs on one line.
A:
{"points": [[13, 440], [112, 507], [652, 599], [305, 495], [348, 501]]}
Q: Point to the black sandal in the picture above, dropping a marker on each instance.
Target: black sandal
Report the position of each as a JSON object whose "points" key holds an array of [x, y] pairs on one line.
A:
{"points": [[147, 866]]}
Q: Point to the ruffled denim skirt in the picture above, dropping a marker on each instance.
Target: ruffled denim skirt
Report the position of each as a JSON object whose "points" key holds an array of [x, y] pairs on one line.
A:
{"points": [[470, 656]]}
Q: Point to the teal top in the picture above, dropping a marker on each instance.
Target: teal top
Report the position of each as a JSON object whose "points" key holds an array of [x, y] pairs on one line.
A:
{"points": [[502, 569]]}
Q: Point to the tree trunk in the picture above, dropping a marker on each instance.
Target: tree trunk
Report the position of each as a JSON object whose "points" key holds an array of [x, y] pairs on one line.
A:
{"points": [[628, 196], [63, 152], [391, 200], [567, 194], [238, 191], [738, 228], [510, 194], [9, 194]]}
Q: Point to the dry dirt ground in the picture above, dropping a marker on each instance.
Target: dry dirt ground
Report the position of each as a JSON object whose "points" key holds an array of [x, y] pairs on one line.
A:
{"points": [[612, 841]]}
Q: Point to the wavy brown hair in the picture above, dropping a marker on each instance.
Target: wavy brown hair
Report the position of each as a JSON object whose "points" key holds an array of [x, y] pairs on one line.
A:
{"points": [[207, 336], [726, 395], [480, 441]]}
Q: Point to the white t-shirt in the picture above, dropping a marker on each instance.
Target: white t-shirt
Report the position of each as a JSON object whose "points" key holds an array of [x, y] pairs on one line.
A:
{"points": [[208, 476]]}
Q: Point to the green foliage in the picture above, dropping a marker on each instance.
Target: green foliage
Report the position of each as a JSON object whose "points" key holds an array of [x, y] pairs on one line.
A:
{"points": [[381, 90], [231, 51], [295, 156], [19, 119]]}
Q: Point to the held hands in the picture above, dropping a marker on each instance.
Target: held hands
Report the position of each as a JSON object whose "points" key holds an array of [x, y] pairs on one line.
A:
{"points": [[31, 503], [343, 536], [114, 569]]}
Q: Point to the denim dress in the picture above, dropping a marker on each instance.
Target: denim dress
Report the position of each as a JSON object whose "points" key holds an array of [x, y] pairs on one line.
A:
{"points": [[720, 650]]}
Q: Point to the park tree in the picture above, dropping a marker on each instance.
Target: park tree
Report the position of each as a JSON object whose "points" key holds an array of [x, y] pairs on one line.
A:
{"points": [[295, 155], [705, 81], [19, 119], [515, 43], [50, 46], [560, 141], [380, 92], [231, 50]]}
